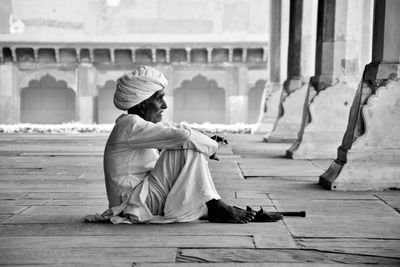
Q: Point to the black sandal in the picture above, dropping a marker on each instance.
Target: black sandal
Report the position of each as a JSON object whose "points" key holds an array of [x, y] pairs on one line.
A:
{"points": [[263, 216]]}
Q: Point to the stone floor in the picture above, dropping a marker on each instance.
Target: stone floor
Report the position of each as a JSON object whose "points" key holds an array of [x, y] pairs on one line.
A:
{"points": [[49, 182]]}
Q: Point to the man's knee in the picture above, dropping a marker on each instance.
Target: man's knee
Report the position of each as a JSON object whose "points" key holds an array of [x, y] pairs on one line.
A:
{"points": [[169, 164], [174, 155], [180, 153], [173, 160]]}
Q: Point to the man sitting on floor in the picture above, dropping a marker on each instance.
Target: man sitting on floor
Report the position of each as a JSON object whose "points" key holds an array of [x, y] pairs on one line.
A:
{"points": [[146, 186]]}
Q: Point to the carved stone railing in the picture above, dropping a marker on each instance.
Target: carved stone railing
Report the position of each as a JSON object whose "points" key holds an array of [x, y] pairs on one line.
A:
{"points": [[135, 52]]}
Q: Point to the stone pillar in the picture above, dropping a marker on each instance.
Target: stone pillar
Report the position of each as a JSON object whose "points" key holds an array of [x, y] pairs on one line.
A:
{"points": [[279, 17], [188, 55], [236, 95], [369, 157], [230, 55], [209, 54], [153, 55], [112, 55], [301, 62], [57, 54], [244, 54], [9, 94], [337, 72], [86, 93]]}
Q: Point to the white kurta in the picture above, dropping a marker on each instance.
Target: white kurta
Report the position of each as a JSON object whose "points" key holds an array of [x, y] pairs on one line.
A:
{"points": [[131, 172]]}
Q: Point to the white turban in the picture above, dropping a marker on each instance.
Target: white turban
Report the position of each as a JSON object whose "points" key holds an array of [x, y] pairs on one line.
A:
{"points": [[138, 85]]}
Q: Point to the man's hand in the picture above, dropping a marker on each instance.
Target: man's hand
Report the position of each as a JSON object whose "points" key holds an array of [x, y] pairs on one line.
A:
{"points": [[214, 157], [220, 140]]}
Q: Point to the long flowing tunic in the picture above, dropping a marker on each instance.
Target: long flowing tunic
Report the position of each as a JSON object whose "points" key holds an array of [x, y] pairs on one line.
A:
{"points": [[130, 156]]}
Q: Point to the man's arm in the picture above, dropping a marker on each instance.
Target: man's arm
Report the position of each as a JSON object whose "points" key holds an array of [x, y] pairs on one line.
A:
{"points": [[219, 139], [160, 136]]}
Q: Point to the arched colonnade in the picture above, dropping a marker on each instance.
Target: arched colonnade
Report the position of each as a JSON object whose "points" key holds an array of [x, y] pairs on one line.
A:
{"points": [[52, 97]]}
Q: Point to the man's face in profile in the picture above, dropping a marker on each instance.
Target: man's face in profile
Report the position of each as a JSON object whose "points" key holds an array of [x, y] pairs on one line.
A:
{"points": [[154, 106]]}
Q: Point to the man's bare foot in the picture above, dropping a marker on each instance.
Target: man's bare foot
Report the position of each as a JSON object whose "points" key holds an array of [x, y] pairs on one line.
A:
{"points": [[219, 211]]}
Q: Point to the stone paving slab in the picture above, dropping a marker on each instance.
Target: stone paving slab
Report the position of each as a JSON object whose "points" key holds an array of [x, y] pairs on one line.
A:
{"points": [[65, 195], [96, 264], [11, 195], [49, 182], [238, 264], [78, 228], [4, 217], [261, 150], [262, 240], [340, 227], [342, 218], [97, 202], [252, 146], [139, 241], [321, 194], [283, 255], [53, 214], [377, 247], [97, 189], [191, 264], [11, 209], [68, 153], [390, 198], [23, 202], [278, 167], [340, 208], [323, 164], [225, 170], [272, 185], [88, 256]]}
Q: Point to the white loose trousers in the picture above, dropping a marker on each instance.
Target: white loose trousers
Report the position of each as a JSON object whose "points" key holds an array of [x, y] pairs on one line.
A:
{"points": [[180, 185]]}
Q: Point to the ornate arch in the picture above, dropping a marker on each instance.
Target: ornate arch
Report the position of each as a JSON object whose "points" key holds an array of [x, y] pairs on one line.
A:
{"points": [[26, 78], [104, 77], [200, 100], [218, 76], [48, 100]]}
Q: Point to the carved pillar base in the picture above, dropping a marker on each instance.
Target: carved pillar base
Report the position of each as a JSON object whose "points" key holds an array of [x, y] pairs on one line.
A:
{"points": [[366, 169], [324, 133], [373, 162], [272, 95], [288, 126]]}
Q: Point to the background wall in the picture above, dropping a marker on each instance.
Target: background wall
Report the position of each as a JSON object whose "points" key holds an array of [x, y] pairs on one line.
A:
{"points": [[215, 49], [133, 20]]}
